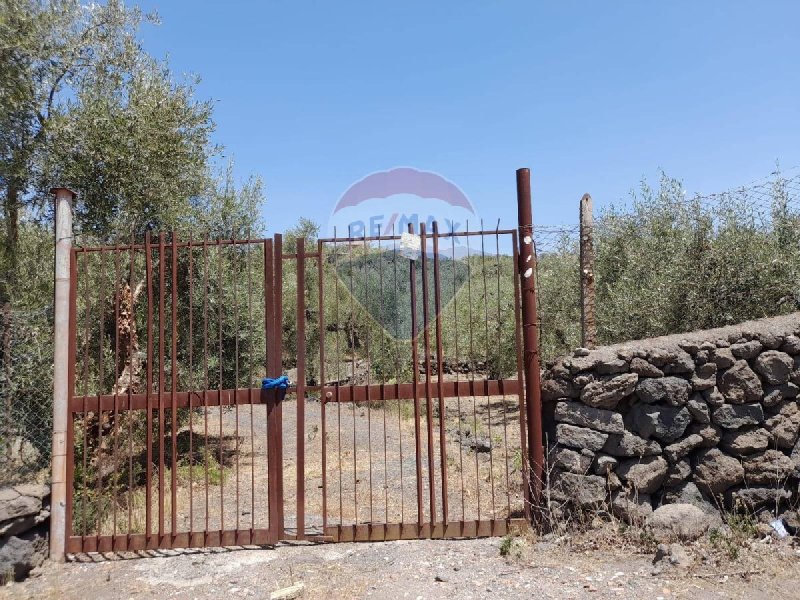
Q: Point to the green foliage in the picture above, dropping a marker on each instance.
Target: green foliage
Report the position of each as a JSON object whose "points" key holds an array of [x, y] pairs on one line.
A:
{"points": [[666, 264]]}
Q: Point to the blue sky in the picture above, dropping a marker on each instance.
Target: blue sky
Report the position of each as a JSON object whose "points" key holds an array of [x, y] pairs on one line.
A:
{"points": [[592, 96]]}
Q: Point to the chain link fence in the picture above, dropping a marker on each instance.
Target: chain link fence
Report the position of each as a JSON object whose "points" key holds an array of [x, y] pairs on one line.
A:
{"points": [[669, 263], [26, 394]]}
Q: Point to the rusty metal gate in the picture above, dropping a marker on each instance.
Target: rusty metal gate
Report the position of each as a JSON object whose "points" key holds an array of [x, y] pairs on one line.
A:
{"points": [[406, 416]]}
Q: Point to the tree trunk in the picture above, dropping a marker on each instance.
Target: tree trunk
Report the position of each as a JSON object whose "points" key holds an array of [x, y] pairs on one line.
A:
{"points": [[10, 243]]}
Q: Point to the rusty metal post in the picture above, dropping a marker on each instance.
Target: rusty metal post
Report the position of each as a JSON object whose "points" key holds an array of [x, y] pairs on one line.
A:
{"points": [[61, 391], [588, 321], [530, 335]]}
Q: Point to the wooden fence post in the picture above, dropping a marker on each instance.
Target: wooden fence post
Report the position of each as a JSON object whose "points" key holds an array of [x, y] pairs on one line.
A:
{"points": [[588, 320]]}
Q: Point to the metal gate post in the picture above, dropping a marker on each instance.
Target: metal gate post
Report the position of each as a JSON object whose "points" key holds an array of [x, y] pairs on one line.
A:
{"points": [[530, 335], [61, 370]]}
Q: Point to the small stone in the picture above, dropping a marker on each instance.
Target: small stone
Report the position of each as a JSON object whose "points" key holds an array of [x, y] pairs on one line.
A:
{"points": [[644, 369], [674, 452], [666, 423], [685, 522], [605, 464], [745, 441], [791, 345], [740, 384], [785, 426], [580, 437], [555, 389], [705, 377], [573, 461], [711, 434], [716, 472], [732, 416], [699, 409], [672, 390], [631, 507], [18, 505], [644, 475], [611, 366], [775, 394], [723, 358], [713, 397], [673, 555], [608, 393], [774, 366], [579, 352], [582, 490], [769, 340], [746, 350], [598, 419], [752, 498], [769, 468], [581, 363], [680, 364], [630, 445], [687, 493], [692, 347], [678, 473]]}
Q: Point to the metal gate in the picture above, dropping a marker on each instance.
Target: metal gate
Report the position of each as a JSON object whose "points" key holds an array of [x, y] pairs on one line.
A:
{"points": [[406, 417]]}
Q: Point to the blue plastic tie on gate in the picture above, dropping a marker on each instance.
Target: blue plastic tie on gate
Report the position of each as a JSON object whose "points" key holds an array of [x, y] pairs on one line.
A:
{"points": [[269, 383]]}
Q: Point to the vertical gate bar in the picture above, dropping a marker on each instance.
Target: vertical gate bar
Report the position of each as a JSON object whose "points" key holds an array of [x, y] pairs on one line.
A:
{"points": [[267, 396], [518, 347], [115, 429], [190, 249], [173, 386], [369, 367], [205, 385], [101, 307], [415, 373], [148, 493], [131, 336], [323, 400], [458, 369], [397, 375], [338, 373], [87, 299], [428, 392], [497, 348], [250, 383], [530, 333], [471, 363], [278, 290], [437, 284], [220, 386], [486, 355], [161, 411], [382, 321], [300, 386], [72, 349], [234, 250], [351, 330]]}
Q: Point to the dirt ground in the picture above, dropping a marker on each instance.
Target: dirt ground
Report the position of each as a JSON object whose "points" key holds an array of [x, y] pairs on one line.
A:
{"points": [[418, 569]]}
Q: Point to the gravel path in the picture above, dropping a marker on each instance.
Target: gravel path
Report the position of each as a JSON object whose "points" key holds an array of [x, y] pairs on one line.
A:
{"points": [[410, 569]]}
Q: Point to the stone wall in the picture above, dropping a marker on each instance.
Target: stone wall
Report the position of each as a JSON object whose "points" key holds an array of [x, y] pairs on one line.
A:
{"points": [[24, 524], [709, 418]]}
